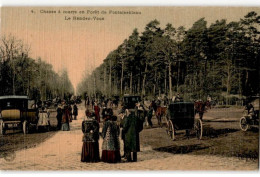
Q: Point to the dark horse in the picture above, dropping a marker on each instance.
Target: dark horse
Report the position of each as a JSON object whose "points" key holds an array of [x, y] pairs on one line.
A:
{"points": [[201, 107], [159, 112]]}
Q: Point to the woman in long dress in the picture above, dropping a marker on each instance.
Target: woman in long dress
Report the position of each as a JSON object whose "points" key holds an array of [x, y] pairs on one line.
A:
{"points": [[65, 126], [90, 148], [110, 134], [44, 120]]}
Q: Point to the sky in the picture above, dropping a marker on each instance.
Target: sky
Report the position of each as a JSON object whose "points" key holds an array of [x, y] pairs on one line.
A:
{"points": [[81, 45]]}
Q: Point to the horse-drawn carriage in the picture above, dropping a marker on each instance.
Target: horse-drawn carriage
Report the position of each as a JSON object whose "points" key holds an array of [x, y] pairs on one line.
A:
{"points": [[181, 116], [17, 112]]}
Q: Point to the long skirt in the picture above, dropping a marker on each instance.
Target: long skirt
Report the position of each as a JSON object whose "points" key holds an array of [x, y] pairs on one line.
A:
{"points": [[111, 156], [65, 127], [90, 152], [97, 117]]}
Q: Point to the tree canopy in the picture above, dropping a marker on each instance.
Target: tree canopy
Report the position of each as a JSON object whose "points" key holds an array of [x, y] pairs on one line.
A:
{"points": [[22, 75], [216, 59]]}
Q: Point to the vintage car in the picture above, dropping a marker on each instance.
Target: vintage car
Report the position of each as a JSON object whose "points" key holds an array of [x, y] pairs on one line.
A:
{"points": [[17, 112], [181, 116], [251, 118], [129, 101]]}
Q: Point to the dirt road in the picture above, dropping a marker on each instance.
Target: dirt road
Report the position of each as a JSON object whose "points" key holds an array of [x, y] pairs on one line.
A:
{"points": [[62, 152]]}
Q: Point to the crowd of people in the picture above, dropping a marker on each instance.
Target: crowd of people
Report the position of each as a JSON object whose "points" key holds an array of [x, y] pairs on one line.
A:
{"points": [[99, 113], [67, 110], [65, 114], [131, 125]]}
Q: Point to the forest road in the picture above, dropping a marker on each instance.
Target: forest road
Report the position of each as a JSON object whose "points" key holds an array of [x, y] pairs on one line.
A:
{"points": [[63, 151]]}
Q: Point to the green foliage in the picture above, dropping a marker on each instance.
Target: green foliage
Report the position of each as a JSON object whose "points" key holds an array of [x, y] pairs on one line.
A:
{"points": [[201, 61]]}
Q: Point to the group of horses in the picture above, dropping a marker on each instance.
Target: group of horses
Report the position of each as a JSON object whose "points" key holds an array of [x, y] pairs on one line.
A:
{"points": [[199, 106]]}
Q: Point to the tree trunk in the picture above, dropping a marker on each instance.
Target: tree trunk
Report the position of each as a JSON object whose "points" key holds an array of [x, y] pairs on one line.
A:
{"points": [[13, 83], [228, 83], [165, 81], [45, 85], [155, 83], [94, 86], [143, 87], [240, 87], [110, 78], [138, 85], [122, 76], [28, 88], [131, 82], [159, 85], [246, 82], [178, 76], [13, 79], [170, 80], [104, 92]]}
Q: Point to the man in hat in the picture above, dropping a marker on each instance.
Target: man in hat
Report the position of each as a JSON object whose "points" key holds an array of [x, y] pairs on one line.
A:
{"points": [[132, 126]]}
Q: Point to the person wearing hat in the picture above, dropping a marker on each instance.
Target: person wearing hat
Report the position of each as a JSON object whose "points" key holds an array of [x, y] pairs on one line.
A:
{"points": [[75, 111], [90, 147], [132, 126], [110, 134], [65, 117]]}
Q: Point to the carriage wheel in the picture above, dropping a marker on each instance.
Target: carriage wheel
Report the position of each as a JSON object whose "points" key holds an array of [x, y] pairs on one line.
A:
{"points": [[243, 124], [171, 130], [2, 127], [198, 128], [25, 127]]}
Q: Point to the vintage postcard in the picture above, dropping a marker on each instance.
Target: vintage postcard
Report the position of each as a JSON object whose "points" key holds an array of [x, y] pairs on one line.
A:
{"points": [[129, 88]]}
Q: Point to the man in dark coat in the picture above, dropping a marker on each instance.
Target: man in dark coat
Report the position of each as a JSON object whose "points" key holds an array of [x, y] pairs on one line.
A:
{"points": [[132, 126], [75, 111]]}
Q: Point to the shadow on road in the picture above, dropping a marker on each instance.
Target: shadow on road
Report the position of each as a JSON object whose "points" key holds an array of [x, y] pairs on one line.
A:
{"points": [[214, 133], [184, 149]]}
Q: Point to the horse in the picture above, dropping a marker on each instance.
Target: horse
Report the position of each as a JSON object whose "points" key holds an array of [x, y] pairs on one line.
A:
{"points": [[159, 112], [201, 107]]}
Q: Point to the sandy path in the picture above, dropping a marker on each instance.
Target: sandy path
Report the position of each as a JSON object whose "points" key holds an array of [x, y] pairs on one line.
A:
{"points": [[63, 150]]}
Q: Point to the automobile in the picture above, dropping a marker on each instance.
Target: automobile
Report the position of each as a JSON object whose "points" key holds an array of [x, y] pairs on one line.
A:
{"points": [[251, 119], [129, 101], [181, 116], [17, 112]]}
